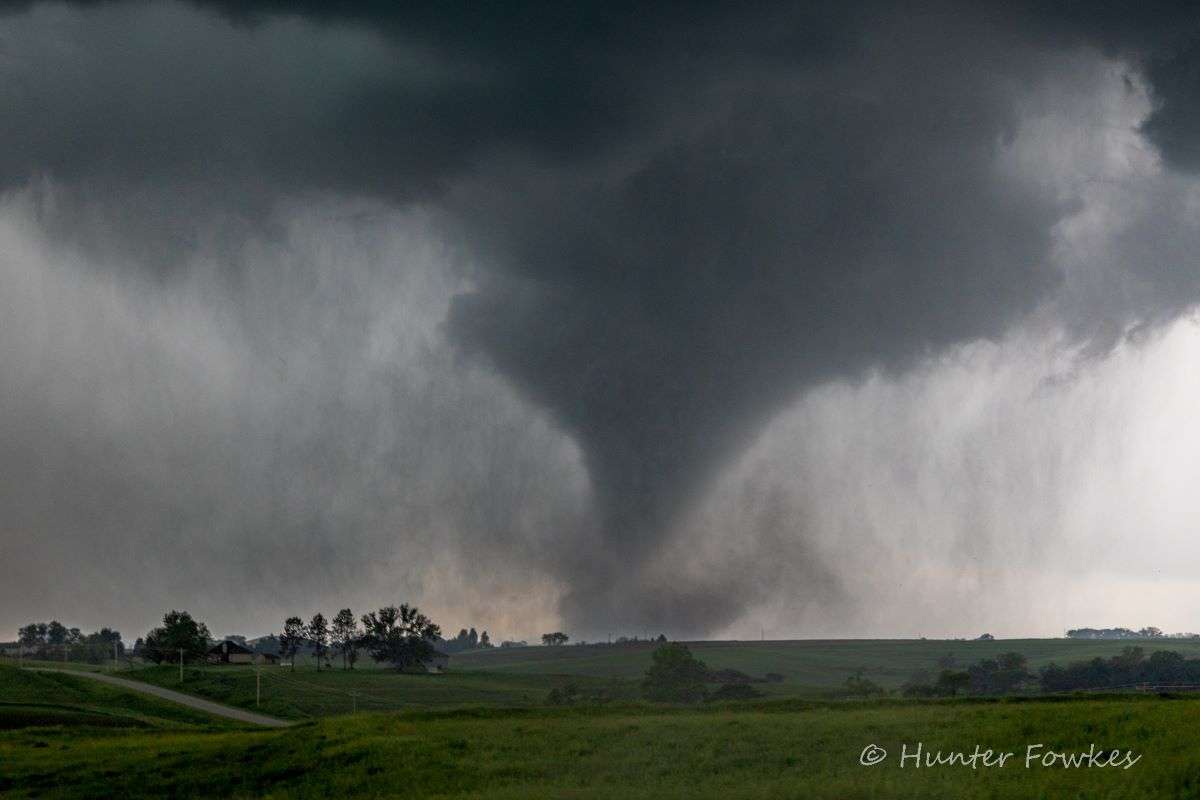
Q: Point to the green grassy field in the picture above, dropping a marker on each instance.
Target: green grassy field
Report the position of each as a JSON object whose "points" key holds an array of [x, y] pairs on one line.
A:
{"points": [[766, 750], [804, 663], [485, 731], [306, 693], [39, 699]]}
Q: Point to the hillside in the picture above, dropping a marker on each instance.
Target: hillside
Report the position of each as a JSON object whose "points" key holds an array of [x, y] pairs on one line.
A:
{"points": [[779, 749], [31, 699], [804, 663]]}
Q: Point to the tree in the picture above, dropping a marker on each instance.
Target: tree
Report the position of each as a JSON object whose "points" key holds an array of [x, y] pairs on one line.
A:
{"points": [[554, 639], [675, 676], [56, 633], [484, 641], [291, 639], [318, 634], [951, 683], [344, 634], [472, 639], [858, 685], [400, 636], [102, 645], [33, 635], [178, 632]]}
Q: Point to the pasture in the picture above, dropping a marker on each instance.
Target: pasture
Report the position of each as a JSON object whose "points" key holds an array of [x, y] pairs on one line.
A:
{"points": [[307, 693], [762, 750], [808, 665], [31, 699], [484, 729]]}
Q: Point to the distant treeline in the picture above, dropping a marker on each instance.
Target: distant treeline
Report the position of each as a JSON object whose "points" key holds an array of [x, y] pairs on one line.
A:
{"points": [[1130, 668], [466, 640], [1009, 674], [1116, 633], [55, 640]]}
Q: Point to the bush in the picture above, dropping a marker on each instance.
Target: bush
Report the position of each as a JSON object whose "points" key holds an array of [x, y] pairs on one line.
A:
{"points": [[736, 691], [675, 676], [728, 676], [859, 686], [565, 696]]}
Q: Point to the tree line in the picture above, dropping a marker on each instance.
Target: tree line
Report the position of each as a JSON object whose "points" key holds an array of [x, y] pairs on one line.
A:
{"points": [[466, 640], [1009, 673], [55, 640], [1149, 632], [401, 636]]}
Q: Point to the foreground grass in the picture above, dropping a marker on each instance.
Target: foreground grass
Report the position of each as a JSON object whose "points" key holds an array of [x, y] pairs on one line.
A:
{"points": [[305, 694], [768, 750]]}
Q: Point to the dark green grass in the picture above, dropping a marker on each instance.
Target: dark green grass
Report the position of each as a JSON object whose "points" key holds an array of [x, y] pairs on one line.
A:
{"points": [[767, 750], [29, 698], [306, 693], [523, 677], [807, 664]]}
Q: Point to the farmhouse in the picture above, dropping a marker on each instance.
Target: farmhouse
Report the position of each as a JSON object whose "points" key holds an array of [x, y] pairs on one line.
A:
{"points": [[230, 652]]}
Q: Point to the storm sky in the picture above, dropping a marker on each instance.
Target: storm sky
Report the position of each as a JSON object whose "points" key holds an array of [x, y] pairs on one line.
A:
{"points": [[714, 320]]}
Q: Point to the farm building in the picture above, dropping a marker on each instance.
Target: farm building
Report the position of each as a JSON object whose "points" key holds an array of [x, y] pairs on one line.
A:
{"points": [[229, 652]]}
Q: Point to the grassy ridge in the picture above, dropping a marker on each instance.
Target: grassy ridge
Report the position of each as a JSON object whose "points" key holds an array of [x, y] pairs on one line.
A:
{"points": [[30, 698], [776, 749], [806, 663]]}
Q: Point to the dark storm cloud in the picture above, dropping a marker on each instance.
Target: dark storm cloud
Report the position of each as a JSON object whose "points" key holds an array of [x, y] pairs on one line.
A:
{"points": [[684, 215]]}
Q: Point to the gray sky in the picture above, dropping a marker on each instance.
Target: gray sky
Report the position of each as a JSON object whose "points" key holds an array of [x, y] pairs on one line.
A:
{"points": [[820, 319]]}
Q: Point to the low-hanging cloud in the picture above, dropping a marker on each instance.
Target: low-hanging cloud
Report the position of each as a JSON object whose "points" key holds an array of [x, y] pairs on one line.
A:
{"points": [[511, 291]]}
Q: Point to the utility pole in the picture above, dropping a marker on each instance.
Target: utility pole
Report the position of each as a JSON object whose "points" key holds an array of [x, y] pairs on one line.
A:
{"points": [[116, 659]]}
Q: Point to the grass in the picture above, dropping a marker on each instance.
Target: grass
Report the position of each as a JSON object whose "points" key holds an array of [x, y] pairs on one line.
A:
{"points": [[523, 677], [482, 730], [306, 693], [768, 749], [808, 665], [40, 699]]}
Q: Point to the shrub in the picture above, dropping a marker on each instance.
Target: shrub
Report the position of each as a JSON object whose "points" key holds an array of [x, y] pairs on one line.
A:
{"points": [[859, 686], [675, 676], [736, 691], [728, 676]]}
